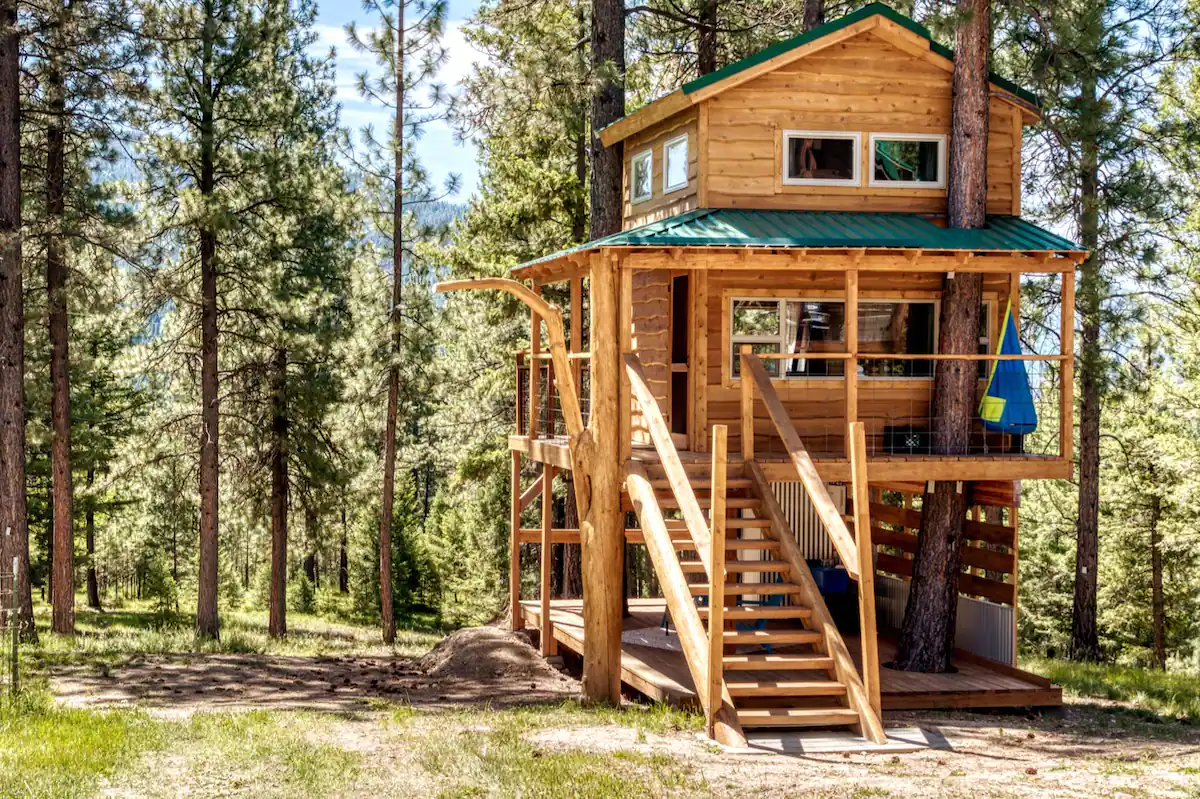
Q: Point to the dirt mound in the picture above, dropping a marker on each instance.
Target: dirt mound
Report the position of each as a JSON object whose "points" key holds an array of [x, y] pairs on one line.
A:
{"points": [[488, 653]]}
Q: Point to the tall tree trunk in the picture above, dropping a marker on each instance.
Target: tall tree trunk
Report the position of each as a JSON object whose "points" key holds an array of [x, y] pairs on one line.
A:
{"points": [[608, 105], [93, 584], [277, 622], [62, 619], [1085, 638], [207, 621], [310, 564], [706, 38], [814, 13], [343, 559], [927, 637], [387, 609], [1157, 605], [14, 523]]}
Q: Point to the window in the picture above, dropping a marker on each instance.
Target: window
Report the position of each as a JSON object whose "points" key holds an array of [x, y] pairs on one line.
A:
{"points": [[675, 164], [641, 178], [912, 159], [897, 328], [789, 326], [820, 158]]}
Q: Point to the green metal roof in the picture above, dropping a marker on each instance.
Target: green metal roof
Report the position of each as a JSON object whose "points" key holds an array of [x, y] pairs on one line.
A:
{"points": [[724, 227], [833, 26]]}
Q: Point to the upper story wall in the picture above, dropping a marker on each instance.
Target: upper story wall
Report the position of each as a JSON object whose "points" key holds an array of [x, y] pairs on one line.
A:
{"points": [[862, 86]]}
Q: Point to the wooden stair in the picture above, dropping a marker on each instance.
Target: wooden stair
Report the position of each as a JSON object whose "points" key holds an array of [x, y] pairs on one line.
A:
{"points": [[776, 667]]}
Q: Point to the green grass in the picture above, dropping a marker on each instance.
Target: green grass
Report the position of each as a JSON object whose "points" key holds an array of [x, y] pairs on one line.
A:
{"points": [[52, 751], [1163, 696], [114, 636]]}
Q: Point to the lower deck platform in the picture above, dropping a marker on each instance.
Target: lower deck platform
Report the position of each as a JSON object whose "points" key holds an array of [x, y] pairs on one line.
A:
{"points": [[652, 664]]}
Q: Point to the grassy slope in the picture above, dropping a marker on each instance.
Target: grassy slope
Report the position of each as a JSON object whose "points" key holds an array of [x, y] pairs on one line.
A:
{"points": [[1166, 695]]}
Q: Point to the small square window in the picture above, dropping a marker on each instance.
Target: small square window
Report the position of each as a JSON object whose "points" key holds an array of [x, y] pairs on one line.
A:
{"points": [[820, 158], [641, 178], [904, 159], [675, 164]]}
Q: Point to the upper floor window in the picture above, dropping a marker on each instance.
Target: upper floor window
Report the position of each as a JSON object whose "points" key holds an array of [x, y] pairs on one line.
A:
{"points": [[908, 159], [675, 164], [821, 158], [641, 179]]}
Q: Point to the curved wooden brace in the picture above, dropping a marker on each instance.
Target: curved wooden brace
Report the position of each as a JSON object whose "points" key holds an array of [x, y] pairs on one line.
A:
{"points": [[563, 374]]}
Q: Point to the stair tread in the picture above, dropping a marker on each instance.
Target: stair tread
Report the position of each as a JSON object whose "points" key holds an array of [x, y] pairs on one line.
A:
{"points": [[741, 524], [772, 612], [797, 717], [731, 543], [744, 589], [741, 566], [800, 662], [732, 503], [774, 637], [785, 688]]}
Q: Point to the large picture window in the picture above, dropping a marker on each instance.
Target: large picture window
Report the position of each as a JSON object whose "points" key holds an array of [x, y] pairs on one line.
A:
{"points": [[809, 327], [821, 158]]}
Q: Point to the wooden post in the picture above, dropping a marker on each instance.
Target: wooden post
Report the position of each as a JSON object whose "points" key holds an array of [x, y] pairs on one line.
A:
{"points": [[1016, 535], [747, 407], [1014, 299], [520, 415], [852, 348], [698, 354], [1066, 388], [577, 328], [868, 636], [625, 331], [716, 587], [548, 646], [514, 548], [601, 533], [535, 372]]}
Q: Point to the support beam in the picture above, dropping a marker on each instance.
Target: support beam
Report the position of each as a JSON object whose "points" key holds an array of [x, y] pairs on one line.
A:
{"points": [[602, 531], [747, 406], [1066, 388], [868, 635], [548, 644], [716, 581], [851, 365], [535, 372], [514, 547]]}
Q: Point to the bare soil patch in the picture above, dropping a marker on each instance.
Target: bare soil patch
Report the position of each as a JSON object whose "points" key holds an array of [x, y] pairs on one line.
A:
{"points": [[480, 665]]}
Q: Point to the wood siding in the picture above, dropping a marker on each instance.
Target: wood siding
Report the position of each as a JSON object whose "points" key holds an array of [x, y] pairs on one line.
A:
{"points": [[651, 339], [863, 85], [660, 205]]}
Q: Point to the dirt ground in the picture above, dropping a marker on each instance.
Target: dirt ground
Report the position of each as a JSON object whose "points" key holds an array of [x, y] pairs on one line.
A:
{"points": [[478, 665], [1086, 750]]}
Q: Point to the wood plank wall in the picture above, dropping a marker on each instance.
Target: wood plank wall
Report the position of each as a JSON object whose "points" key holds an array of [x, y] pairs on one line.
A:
{"points": [[863, 84], [650, 339], [662, 206]]}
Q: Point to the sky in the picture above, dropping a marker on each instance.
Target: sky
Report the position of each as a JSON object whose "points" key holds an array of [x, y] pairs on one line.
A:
{"points": [[436, 149]]}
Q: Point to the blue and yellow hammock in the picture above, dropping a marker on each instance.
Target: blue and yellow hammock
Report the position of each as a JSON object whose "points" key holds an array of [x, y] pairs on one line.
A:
{"points": [[1007, 404]]}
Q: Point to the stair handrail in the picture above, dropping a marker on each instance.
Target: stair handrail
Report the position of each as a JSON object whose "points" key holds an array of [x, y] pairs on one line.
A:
{"points": [[668, 456], [724, 726], [755, 375], [832, 644]]}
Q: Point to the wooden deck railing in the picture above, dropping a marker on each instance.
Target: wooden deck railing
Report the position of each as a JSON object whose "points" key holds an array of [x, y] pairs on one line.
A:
{"points": [[697, 646], [754, 375]]}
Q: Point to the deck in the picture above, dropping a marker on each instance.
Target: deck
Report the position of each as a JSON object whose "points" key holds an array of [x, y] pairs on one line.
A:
{"points": [[662, 674], [833, 469]]}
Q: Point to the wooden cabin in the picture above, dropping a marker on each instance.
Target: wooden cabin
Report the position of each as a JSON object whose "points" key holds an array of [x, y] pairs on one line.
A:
{"points": [[753, 355]]}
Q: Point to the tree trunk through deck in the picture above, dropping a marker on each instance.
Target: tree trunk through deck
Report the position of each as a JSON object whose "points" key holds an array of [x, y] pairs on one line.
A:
{"points": [[1085, 639], [62, 619], [14, 524], [927, 636], [814, 13], [1158, 610], [277, 622], [344, 559], [608, 105], [572, 587], [386, 603]]}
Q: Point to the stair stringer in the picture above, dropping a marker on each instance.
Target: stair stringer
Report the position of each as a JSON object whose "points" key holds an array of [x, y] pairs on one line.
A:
{"points": [[869, 725]]}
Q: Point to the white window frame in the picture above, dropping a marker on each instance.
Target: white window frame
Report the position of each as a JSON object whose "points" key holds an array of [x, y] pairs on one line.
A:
{"points": [[644, 155], [942, 166], [667, 145], [736, 341], [853, 136]]}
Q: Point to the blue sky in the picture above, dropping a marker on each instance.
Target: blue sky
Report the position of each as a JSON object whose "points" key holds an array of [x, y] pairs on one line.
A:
{"points": [[436, 149]]}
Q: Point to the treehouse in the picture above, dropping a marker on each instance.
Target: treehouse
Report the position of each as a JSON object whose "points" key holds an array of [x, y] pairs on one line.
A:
{"points": [[744, 386]]}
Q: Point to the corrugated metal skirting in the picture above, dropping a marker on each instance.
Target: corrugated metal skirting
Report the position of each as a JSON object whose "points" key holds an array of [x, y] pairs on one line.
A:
{"points": [[984, 628], [814, 542]]}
